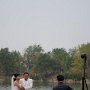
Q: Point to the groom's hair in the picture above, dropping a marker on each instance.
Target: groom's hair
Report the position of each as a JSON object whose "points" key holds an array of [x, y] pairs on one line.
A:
{"points": [[25, 73]]}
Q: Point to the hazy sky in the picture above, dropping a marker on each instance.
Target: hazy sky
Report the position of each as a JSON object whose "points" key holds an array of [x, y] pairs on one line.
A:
{"points": [[50, 23]]}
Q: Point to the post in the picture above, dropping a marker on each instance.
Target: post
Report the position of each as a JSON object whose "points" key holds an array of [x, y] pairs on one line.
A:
{"points": [[82, 83], [83, 78], [84, 57]]}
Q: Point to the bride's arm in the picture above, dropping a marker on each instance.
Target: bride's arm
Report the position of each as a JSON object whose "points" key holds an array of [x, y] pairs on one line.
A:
{"points": [[19, 86]]}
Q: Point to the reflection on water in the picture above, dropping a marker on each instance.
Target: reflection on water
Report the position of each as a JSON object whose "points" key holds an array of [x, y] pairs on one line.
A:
{"points": [[43, 86], [5, 88], [39, 86], [34, 88], [5, 85]]}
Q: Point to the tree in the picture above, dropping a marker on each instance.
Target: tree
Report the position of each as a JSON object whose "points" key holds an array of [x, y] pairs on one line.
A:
{"points": [[85, 48], [9, 61], [46, 66], [31, 54], [63, 58]]}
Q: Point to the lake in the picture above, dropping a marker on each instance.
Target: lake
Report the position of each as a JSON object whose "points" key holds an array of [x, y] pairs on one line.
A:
{"points": [[44, 87]]}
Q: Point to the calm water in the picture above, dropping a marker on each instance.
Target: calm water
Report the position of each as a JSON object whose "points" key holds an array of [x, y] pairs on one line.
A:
{"points": [[45, 87]]}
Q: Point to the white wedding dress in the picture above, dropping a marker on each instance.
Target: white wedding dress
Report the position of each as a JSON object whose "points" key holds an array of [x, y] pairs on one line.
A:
{"points": [[13, 87]]}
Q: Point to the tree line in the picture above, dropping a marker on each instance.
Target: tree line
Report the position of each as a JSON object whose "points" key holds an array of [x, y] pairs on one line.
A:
{"points": [[45, 65]]}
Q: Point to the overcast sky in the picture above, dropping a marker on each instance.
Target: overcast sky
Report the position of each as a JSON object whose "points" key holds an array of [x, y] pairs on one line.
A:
{"points": [[50, 23]]}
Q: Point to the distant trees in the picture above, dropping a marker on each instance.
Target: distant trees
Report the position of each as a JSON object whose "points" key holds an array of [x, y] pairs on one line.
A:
{"points": [[42, 65], [9, 61], [77, 62], [31, 55], [63, 59]]}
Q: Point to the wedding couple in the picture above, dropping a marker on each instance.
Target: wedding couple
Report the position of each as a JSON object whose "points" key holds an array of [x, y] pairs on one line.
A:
{"points": [[21, 83]]}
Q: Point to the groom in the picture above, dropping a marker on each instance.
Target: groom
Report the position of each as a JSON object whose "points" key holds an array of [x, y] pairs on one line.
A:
{"points": [[26, 82]]}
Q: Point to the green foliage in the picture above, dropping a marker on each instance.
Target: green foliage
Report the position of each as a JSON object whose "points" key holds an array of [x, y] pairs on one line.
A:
{"points": [[32, 54], [62, 58], [43, 66], [85, 48], [77, 63], [9, 61]]}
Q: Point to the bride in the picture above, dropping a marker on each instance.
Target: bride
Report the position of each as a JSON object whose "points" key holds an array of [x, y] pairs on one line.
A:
{"points": [[15, 85]]}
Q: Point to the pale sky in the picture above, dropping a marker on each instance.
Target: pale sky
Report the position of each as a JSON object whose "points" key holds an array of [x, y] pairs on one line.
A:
{"points": [[50, 23]]}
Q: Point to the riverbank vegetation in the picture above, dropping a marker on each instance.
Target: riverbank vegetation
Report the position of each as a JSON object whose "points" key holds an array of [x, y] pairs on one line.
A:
{"points": [[44, 66]]}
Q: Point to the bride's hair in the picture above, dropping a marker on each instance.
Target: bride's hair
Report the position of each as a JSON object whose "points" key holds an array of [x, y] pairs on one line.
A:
{"points": [[15, 75]]}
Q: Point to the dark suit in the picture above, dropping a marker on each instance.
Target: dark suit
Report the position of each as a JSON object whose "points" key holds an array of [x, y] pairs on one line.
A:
{"points": [[62, 86]]}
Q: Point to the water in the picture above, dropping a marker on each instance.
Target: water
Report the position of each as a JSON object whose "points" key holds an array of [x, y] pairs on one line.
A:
{"points": [[45, 87], [34, 88]]}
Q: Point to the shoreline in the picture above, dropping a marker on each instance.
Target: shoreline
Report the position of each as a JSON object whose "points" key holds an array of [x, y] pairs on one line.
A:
{"points": [[70, 81]]}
